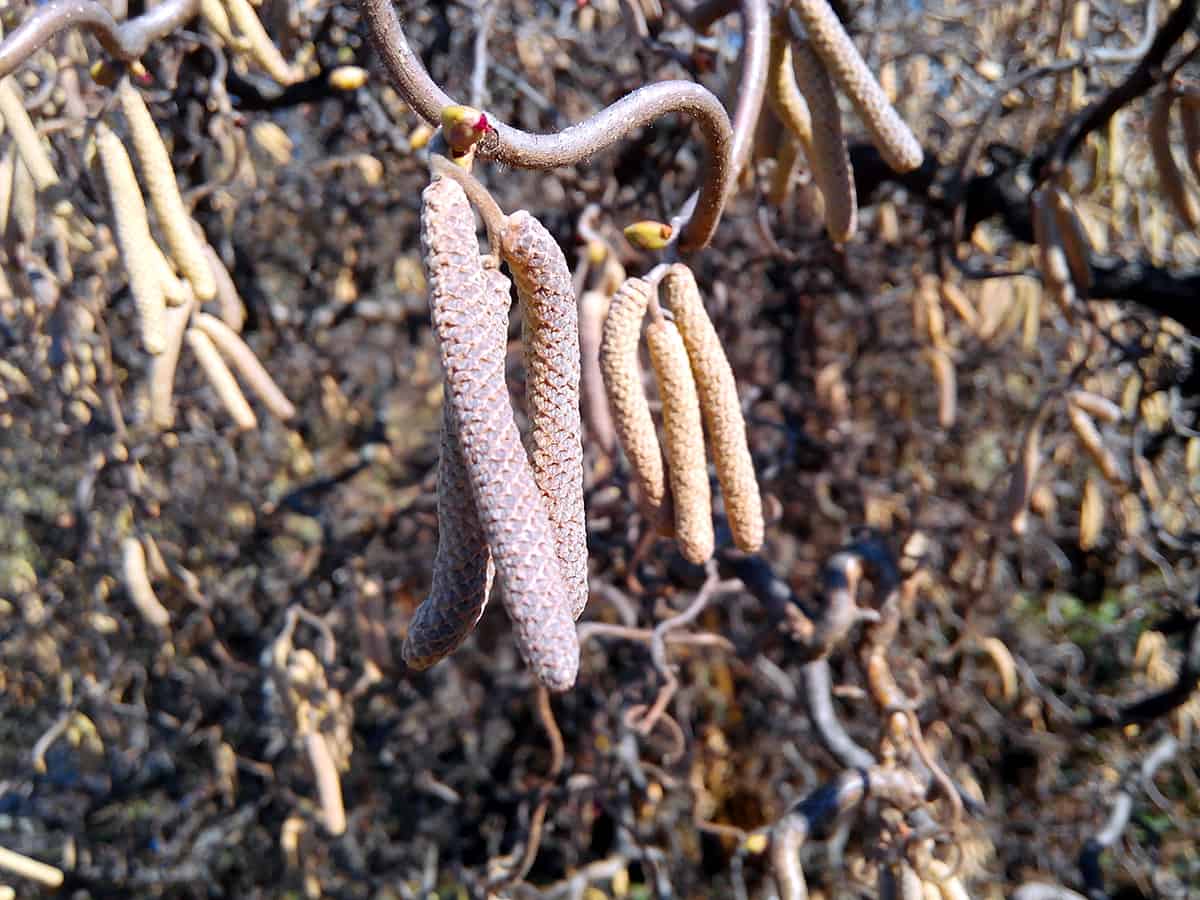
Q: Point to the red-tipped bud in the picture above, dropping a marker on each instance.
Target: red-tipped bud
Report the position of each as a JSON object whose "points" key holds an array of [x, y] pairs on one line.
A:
{"points": [[463, 127], [648, 234]]}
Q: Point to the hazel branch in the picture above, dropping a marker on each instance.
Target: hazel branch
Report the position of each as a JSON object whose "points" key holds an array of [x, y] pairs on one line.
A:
{"points": [[577, 143]]}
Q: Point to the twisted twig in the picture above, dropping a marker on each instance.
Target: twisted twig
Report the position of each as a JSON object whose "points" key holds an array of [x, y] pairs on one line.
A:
{"points": [[573, 145], [126, 41]]}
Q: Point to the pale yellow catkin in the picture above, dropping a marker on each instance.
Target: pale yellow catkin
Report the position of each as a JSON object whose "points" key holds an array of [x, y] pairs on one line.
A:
{"points": [[1170, 179], [233, 348], [26, 867], [954, 297], [137, 584], [261, 48], [329, 783], [25, 137], [175, 291], [593, 307], [133, 238], [214, 15], [830, 160], [683, 436], [720, 407], [162, 368], [945, 378], [1089, 435], [1091, 514], [890, 134], [230, 308], [158, 175], [782, 177], [783, 94], [627, 398], [223, 383], [1096, 406]]}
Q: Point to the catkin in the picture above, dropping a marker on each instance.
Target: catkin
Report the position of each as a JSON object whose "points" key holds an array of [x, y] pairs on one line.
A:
{"points": [[137, 584], [551, 317], [945, 378], [721, 409], [214, 15], [593, 307], [462, 569], [221, 379], [1052, 259], [1169, 177], [1020, 488], [783, 94], [1091, 514], [1089, 435], [510, 505], [891, 136], [230, 308], [329, 783], [259, 43], [830, 158], [133, 237], [234, 349], [1075, 244], [684, 439], [1096, 406], [158, 176], [29, 145], [627, 398], [162, 368]]}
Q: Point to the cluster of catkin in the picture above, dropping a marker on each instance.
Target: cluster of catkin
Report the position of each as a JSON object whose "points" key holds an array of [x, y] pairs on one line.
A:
{"points": [[504, 512], [168, 305], [802, 77], [698, 393]]}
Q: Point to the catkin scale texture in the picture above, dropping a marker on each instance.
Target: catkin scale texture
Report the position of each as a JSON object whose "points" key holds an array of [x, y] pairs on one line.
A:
{"points": [[783, 94], [510, 506], [891, 136], [133, 238], [720, 407], [626, 397], [830, 158], [552, 376], [684, 438], [159, 177], [462, 569]]}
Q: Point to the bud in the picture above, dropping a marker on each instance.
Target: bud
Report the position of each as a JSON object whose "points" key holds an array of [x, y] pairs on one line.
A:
{"points": [[648, 234], [463, 127], [347, 78]]}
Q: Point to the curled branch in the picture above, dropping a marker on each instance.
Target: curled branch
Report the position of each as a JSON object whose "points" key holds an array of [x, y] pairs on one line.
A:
{"points": [[571, 146], [126, 41]]}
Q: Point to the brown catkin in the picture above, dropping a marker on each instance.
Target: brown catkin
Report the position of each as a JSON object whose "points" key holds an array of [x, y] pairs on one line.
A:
{"points": [[223, 383], [462, 569], [158, 175], [830, 159], [721, 409], [891, 136], [627, 397], [684, 439], [593, 307], [1075, 244], [510, 505], [551, 316], [133, 237], [234, 349], [1089, 435], [1170, 179]]}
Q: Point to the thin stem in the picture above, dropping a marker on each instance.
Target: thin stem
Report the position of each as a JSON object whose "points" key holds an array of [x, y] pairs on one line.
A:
{"points": [[524, 150], [126, 41]]}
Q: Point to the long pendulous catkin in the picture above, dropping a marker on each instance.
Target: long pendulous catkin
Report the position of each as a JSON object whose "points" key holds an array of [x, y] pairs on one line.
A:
{"points": [[1075, 244], [1170, 179], [627, 398], [683, 436], [158, 175], [593, 308], [162, 368], [234, 349], [30, 149], [230, 308], [133, 237], [830, 158], [462, 569], [783, 94], [510, 505], [721, 409], [223, 383], [891, 136], [552, 375]]}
